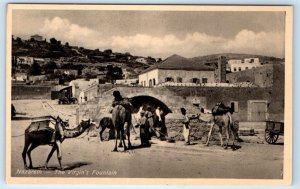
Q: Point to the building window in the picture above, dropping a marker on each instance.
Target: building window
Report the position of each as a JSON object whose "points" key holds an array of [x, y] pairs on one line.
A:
{"points": [[169, 79], [154, 82], [195, 80], [234, 106], [234, 69], [144, 83], [246, 68], [150, 83], [240, 69], [179, 80], [204, 80]]}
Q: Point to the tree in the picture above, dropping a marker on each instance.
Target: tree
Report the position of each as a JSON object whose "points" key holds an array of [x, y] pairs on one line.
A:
{"points": [[113, 73], [67, 66], [35, 69], [117, 72], [19, 40], [55, 45], [53, 41], [107, 51], [90, 75], [49, 67], [24, 66], [109, 73]]}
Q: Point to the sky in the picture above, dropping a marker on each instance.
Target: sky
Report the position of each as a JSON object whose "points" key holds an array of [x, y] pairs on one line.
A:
{"points": [[159, 34]]}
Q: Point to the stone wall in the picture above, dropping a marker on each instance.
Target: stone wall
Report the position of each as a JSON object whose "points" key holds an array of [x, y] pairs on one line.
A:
{"points": [[263, 76], [177, 97], [19, 92], [274, 96]]}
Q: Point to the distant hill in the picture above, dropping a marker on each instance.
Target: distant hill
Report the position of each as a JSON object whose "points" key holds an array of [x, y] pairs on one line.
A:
{"points": [[55, 50], [263, 59]]}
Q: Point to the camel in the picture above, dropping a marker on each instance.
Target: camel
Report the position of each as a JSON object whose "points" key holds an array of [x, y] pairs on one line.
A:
{"points": [[226, 122], [105, 122], [43, 136], [122, 121]]}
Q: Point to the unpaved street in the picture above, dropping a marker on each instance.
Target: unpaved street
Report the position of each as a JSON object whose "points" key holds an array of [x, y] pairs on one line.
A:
{"points": [[88, 157]]}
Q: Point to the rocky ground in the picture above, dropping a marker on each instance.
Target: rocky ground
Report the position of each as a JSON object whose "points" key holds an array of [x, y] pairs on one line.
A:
{"points": [[86, 156]]}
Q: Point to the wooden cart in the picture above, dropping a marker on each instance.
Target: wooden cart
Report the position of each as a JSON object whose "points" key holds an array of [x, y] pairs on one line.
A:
{"points": [[273, 130]]}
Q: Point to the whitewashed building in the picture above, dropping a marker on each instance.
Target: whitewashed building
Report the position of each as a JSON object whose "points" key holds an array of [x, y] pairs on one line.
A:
{"points": [[129, 82], [142, 60], [240, 65], [25, 60], [176, 69], [80, 85], [37, 37]]}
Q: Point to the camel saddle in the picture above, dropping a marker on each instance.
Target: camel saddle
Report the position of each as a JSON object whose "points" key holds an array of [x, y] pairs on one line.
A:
{"points": [[41, 123], [220, 109]]}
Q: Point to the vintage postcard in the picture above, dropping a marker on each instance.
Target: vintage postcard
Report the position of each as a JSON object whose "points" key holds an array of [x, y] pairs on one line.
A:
{"points": [[149, 94]]}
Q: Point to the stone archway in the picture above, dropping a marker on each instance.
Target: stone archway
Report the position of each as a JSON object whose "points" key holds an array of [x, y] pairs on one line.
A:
{"points": [[145, 100]]}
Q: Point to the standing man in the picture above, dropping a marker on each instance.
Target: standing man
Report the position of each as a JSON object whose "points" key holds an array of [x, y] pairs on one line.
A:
{"points": [[119, 100], [161, 123], [186, 127], [150, 121], [144, 130]]}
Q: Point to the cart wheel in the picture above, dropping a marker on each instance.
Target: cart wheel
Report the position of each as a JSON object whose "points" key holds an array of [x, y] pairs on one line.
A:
{"points": [[270, 137]]}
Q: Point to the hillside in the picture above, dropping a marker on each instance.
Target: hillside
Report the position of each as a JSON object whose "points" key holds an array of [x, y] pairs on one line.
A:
{"points": [[65, 53], [263, 59]]}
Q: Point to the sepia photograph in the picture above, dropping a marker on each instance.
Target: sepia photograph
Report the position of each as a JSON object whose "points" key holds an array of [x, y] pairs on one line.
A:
{"points": [[158, 94]]}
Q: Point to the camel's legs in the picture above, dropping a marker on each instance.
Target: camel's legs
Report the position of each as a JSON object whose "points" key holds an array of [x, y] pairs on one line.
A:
{"points": [[209, 134], [116, 141], [220, 136], [127, 131], [233, 138], [120, 142], [33, 146], [101, 131], [27, 144], [128, 137], [49, 156], [122, 139], [59, 153], [227, 136]]}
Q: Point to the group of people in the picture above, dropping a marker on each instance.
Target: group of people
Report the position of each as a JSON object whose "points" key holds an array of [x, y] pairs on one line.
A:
{"points": [[152, 123]]}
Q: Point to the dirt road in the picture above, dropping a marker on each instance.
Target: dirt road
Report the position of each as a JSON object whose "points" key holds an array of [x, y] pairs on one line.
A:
{"points": [[88, 157]]}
